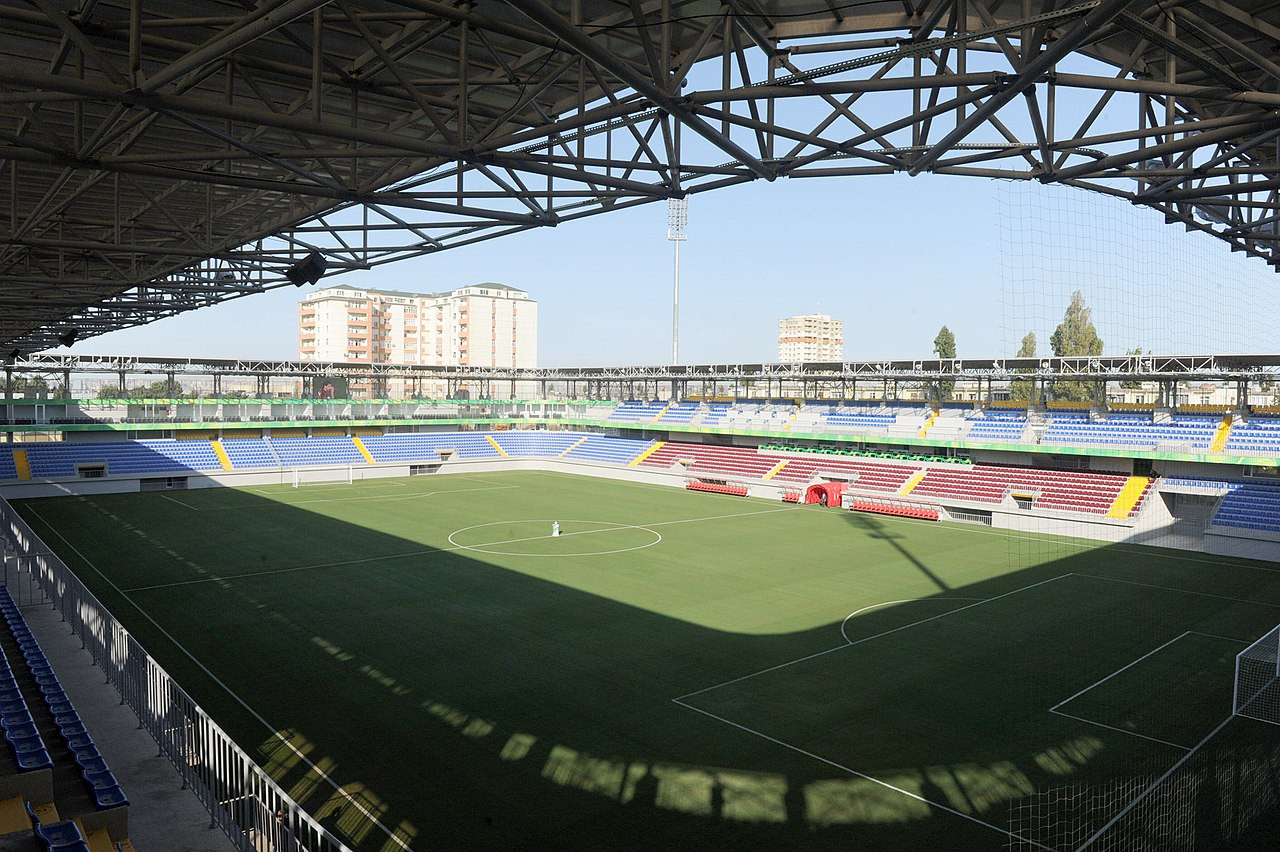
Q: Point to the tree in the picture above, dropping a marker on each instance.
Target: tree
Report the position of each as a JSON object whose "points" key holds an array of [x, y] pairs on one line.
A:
{"points": [[944, 346], [1076, 336], [1021, 388]]}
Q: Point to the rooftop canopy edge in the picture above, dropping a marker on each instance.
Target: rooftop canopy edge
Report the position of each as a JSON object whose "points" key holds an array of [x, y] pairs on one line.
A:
{"points": [[156, 158]]}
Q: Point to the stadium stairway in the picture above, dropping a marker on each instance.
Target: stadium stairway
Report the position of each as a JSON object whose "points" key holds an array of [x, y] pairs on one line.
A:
{"points": [[657, 445], [1220, 437], [355, 439], [777, 468], [575, 446], [1130, 497], [221, 453], [22, 465], [911, 483]]}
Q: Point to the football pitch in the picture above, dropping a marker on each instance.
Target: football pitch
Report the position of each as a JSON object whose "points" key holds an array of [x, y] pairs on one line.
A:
{"points": [[422, 664]]}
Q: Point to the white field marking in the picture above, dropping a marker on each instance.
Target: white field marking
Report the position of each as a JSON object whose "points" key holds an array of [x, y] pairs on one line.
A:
{"points": [[1156, 783], [849, 644], [891, 603], [1223, 638], [1119, 730], [864, 776], [1123, 668], [378, 496], [180, 503], [480, 548], [234, 695], [366, 560], [1183, 591]]}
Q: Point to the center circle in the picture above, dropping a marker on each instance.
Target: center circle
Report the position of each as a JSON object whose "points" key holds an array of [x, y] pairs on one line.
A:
{"points": [[534, 538]]}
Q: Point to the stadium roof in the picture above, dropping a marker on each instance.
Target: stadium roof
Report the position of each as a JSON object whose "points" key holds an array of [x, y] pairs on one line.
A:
{"points": [[160, 157]]}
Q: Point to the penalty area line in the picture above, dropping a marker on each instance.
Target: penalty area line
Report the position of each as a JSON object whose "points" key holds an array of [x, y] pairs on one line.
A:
{"points": [[864, 776], [850, 644]]}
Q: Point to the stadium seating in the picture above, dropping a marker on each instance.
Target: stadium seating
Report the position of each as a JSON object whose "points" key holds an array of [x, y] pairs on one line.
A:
{"points": [[680, 414], [599, 448], [1070, 490], [539, 444], [426, 446], [299, 452], [7, 468], [105, 790], [1256, 435], [714, 413], [996, 425], [248, 453], [59, 459], [1135, 432], [856, 419], [635, 411], [863, 475], [717, 488], [739, 462], [888, 507], [1249, 506]]}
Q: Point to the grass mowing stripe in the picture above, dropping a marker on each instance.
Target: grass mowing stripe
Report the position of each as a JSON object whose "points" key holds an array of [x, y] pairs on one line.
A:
{"points": [[864, 776], [229, 691]]}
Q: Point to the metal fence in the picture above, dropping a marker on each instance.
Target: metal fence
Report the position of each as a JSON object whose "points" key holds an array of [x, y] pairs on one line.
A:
{"points": [[242, 800]]}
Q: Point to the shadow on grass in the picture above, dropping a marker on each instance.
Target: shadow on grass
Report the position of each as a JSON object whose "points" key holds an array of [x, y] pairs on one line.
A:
{"points": [[465, 705]]}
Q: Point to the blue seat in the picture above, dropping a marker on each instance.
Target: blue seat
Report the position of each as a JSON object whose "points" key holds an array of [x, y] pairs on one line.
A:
{"points": [[111, 797], [29, 761]]}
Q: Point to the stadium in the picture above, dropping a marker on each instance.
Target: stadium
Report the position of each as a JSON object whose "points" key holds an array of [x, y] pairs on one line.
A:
{"points": [[1024, 601]]}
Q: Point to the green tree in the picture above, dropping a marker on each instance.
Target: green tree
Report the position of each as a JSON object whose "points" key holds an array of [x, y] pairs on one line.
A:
{"points": [[27, 383], [1076, 336], [1021, 388], [944, 346]]}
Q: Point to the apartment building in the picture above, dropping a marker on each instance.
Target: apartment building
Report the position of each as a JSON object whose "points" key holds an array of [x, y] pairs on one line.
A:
{"points": [[484, 325], [811, 337]]}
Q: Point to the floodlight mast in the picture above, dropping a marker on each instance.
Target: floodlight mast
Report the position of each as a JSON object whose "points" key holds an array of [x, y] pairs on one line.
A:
{"points": [[677, 220]]}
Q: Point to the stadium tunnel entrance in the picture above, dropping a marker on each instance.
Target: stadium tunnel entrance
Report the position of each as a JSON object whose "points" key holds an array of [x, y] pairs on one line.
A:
{"points": [[825, 493]]}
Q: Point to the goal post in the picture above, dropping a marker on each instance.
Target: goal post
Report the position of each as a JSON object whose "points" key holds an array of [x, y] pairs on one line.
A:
{"points": [[303, 476], [1257, 686]]}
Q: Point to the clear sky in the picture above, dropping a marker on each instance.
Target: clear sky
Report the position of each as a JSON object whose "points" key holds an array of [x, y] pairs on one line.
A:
{"points": [[894, 257]]}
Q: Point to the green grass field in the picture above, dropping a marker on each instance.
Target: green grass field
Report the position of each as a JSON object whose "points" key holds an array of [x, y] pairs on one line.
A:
{"points": [[684, 669]]}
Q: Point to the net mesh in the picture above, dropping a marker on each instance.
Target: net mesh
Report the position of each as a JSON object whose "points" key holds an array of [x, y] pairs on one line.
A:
{"points": [[1257, 688]]}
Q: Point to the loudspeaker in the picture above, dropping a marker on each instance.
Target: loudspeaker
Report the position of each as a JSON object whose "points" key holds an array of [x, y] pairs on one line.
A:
{"points": [[308, 270]]}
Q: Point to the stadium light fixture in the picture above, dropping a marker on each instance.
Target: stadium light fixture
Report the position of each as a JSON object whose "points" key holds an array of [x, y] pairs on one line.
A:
{"points": [[308, 270], [677, 221]]}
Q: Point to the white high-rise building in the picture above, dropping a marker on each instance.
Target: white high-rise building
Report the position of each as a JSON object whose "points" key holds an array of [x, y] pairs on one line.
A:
{"points": [[484, 325], [812, 337]]}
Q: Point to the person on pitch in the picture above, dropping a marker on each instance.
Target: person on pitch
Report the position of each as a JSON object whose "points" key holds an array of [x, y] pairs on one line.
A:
{"points": [[555, 528]]}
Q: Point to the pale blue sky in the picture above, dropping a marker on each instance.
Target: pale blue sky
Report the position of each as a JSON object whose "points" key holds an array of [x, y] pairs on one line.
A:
{"points": [[856, 249], [894, 257]]}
